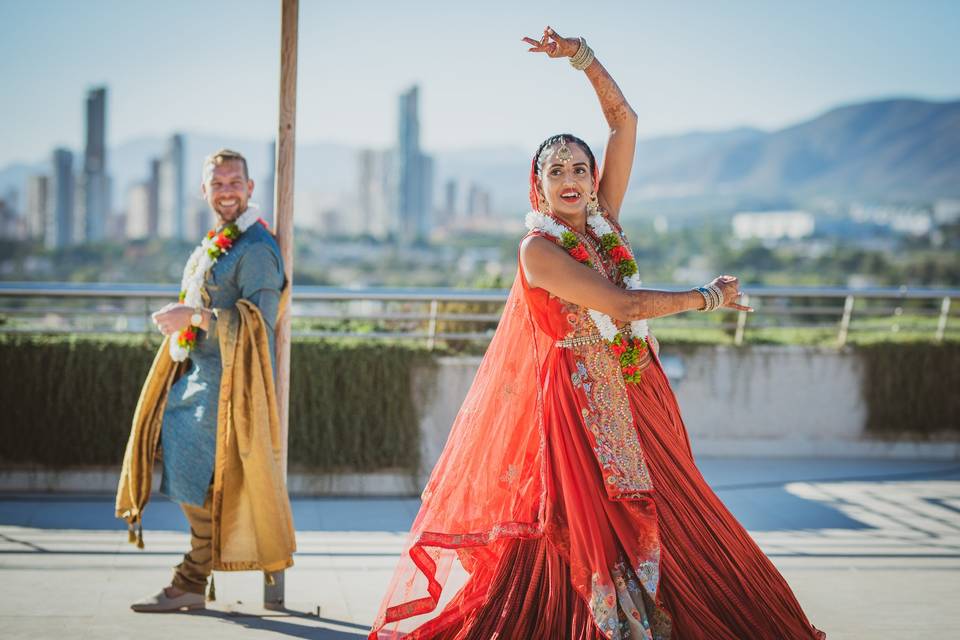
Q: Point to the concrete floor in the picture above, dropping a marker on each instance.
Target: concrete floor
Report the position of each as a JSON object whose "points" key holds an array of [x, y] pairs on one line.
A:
{"points": [[871, 548]]}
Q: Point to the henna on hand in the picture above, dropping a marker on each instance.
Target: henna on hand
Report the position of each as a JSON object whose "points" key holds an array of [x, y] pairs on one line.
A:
{"points": [[652, 303], [615, 107]]}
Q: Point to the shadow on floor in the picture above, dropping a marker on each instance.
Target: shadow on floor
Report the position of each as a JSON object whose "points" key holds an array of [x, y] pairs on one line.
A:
{"points": [[274, 623]]}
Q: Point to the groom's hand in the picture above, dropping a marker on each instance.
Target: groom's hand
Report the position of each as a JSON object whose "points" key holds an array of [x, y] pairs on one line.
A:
{"points": [[172, 317]]}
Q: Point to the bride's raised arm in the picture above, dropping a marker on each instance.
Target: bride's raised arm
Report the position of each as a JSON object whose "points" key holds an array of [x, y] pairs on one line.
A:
{"points": [[618, 156]]}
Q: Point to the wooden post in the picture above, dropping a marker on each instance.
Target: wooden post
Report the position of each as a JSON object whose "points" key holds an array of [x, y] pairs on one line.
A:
{"points": [[741, 321], [845, 321], [273, 588], [942, 321], [432, 324]]}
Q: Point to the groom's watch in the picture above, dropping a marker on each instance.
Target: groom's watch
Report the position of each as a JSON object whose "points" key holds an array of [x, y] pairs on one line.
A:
{"points": [[197, 318]]}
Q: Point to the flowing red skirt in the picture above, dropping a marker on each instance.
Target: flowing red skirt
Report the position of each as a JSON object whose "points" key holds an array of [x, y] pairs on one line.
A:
{"points": [[715, 582]]}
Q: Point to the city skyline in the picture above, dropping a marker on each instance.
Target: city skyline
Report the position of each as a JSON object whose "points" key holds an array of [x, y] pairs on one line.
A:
{"points": [[155, 190], [72, 203], [684, 68]]}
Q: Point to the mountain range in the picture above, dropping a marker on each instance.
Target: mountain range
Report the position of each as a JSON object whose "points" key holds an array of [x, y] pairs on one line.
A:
{"points": [[888, 149], [882, 150]]}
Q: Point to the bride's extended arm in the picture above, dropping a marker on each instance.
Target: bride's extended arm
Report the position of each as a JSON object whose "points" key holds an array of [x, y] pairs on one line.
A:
{"points": [[547, 266], [621, 143], [622, 120]]}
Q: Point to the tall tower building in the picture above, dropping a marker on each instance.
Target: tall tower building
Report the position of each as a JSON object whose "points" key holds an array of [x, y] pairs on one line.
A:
{"points": [[414, 172], [450, 208], [59, 220], [153, 197], [93, 207], [171, 214], [37, 208], [375, 191]]}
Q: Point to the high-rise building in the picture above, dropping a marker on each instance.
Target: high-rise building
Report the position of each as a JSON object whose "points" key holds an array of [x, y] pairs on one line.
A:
{"points": [[93, 207], [414, 172], [36, 209], [200, 220], [11, 224], [171, 214], [450, 208], [138, 211], [375, 191], [478, 202], [59, 219], [153, 203]]}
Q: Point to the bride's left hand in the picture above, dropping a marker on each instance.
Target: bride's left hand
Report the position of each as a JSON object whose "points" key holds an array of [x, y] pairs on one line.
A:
{"points": [[554, 45]]}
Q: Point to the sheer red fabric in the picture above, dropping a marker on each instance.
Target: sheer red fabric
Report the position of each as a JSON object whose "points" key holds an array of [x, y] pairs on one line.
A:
{"points": [[565, 494], [487, 486]]}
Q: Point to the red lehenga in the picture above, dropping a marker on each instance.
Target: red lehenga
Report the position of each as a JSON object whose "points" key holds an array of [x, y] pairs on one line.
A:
{"points": [[572, 500]]}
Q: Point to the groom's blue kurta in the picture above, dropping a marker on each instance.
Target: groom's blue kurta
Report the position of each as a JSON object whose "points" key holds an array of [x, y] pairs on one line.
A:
{"points": [[253, 270]]}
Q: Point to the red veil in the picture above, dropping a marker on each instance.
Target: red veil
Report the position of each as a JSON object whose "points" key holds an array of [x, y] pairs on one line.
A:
{"points": [[488, 484]]}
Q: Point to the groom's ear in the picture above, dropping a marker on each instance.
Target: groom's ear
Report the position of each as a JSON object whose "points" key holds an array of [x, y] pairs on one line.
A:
{"points": [[249, 187]]}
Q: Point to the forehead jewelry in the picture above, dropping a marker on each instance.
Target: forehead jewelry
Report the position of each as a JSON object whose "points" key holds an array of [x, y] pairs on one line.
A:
{"points": [[563, 153]]}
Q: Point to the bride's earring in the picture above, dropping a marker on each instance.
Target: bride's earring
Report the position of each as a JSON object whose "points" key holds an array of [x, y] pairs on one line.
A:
{"points": [[544, 207], [593, 205]]}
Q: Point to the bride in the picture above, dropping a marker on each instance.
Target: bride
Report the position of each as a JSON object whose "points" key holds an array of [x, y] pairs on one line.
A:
{"points": [[567, 490]]}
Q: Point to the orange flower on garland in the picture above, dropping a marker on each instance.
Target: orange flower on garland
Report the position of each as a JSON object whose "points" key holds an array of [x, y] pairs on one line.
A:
{"points": [[620, 253], [579, 253], [629, 351], [188, 338], [222, 241], [575, 248]]}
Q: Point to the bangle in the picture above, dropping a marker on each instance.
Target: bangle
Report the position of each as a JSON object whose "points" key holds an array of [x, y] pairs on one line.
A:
{"points": [[712, 297], [707, 299], [718, 295], [583, 57]]}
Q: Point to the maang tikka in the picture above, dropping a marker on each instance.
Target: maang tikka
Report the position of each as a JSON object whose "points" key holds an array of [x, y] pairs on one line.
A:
{"points": [[564, 154]]}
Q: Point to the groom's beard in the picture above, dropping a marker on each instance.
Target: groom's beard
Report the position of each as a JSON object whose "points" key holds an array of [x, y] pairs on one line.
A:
{"points": [[232, 212]]}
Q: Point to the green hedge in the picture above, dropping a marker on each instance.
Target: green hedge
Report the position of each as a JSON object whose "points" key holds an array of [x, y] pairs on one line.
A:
{"points": [[68, 401], [912, 389]]}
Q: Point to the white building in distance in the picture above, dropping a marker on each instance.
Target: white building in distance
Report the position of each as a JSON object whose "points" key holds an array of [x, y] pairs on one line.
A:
{"points": [[138, 211], [773, 225], [38, 190]]}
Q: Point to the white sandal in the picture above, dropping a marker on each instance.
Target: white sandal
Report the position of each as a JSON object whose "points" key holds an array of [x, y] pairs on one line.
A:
{"points": [[162, 603]]}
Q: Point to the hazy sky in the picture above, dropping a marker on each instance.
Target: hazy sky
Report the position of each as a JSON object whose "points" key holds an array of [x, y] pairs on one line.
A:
{"points": [[212, 66]]}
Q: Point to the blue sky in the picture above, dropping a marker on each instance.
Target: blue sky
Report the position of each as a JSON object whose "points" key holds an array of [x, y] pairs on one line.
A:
{"points": [[212, 66]]}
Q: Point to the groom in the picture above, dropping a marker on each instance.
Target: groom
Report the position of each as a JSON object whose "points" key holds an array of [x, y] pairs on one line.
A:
{"points": [[210, 395]]}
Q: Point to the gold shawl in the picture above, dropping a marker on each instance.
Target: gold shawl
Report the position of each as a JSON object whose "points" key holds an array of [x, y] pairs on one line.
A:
{"points": [[252, 522]]}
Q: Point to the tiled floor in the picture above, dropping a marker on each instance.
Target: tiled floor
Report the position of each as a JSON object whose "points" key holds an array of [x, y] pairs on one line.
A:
{"points": [[872, 549]]}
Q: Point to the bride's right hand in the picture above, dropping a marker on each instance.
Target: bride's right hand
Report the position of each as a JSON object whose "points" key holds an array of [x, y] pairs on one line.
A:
{"points": [[730, 288], [553, 44]]}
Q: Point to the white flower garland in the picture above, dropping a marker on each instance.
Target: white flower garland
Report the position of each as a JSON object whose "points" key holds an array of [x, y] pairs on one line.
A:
{"points": [[194, 274], [537, 221]]}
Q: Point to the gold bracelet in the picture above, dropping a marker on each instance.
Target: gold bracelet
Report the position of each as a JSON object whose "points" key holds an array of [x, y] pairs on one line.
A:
{"points": [[583, 57], [707, 300]]}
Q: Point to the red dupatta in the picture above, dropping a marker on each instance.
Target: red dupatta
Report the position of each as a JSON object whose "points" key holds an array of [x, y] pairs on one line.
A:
{"points": [[488, 484]]}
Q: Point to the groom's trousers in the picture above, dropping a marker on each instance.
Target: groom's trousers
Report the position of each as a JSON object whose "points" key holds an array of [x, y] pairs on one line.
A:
{"points": [[191, 574]]}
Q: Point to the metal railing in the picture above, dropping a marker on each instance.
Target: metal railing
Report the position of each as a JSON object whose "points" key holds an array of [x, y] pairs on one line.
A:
{"points": [[437, 315]]}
